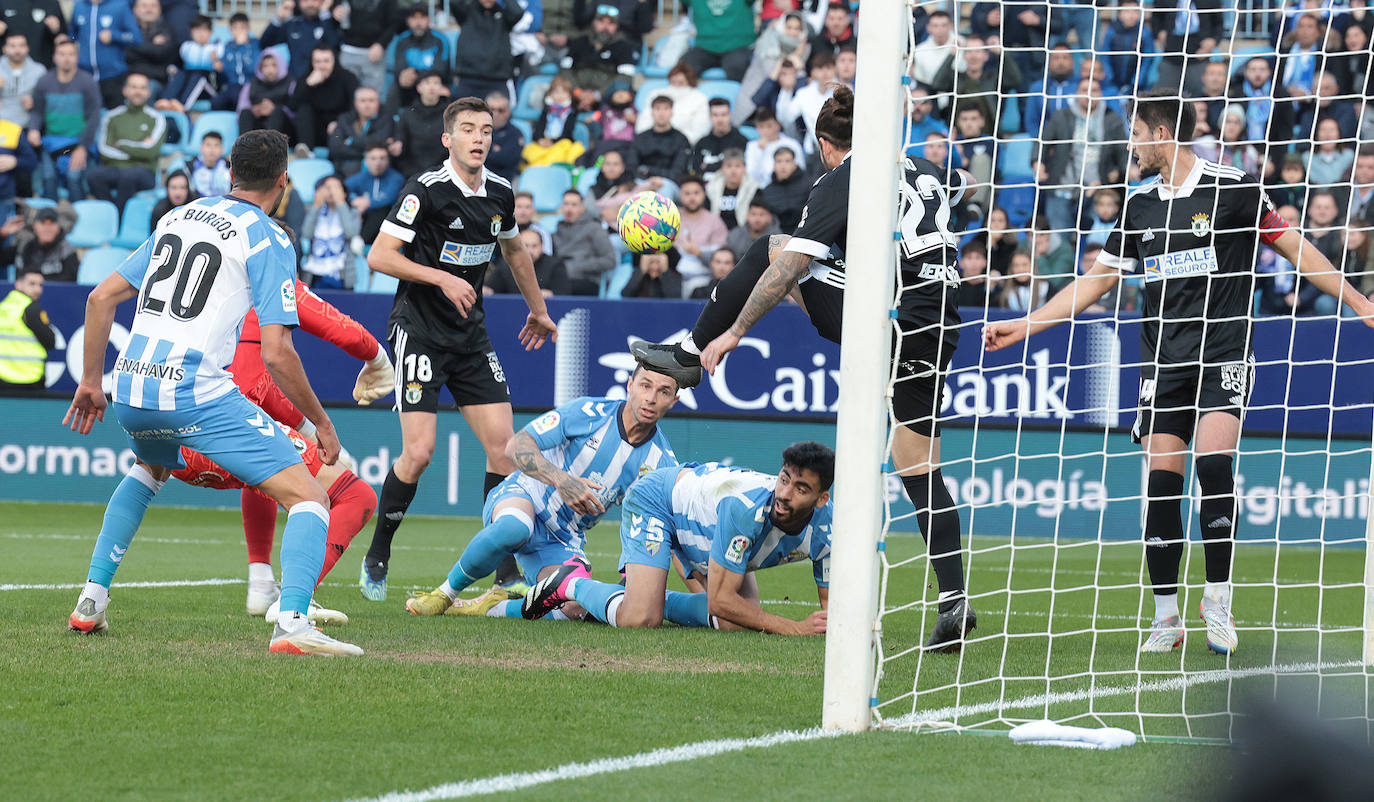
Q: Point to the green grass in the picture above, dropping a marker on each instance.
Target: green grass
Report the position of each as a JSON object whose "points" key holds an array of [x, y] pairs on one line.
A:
{"points": [[181, 699]]}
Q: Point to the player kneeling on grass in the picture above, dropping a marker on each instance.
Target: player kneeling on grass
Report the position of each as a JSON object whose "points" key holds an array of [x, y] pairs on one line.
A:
{"points": [[351, 504], [721, 521], [573, 464]]}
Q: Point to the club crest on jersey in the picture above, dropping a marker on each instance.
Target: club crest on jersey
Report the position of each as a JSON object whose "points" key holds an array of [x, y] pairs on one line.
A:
{"points": [[495, 225], [735, 552], [288, 295], [546, 424], [410, 206], [413, 393], [1202, 224]]}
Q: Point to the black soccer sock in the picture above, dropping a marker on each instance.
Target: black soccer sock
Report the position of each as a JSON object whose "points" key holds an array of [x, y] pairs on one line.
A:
{"points": [[391, 508], [1218, 513], [939, 523], [491, 481], [1164, 530], [728, 299]]}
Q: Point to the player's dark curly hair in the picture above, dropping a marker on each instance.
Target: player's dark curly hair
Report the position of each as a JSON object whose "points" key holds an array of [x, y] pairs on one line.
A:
{"points": [[258, 160], [1158, 107], [809, 455], [835, 123]]}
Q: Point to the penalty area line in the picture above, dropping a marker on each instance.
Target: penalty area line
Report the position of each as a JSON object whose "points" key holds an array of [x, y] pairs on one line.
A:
{"points": [[175, 583]]}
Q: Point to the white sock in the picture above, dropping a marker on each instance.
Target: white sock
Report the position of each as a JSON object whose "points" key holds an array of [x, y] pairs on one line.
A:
{"points": [[498, 610], [690, 346], [572, 587], [448, 590], [306, 428], [292, 621], [99, 593], [261, 572], [1166, 606], [613, 608], [1218, 592], [558, 615]]}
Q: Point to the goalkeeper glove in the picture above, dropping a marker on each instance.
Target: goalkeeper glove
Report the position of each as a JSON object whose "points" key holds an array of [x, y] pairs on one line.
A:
{"points": [[376, 380]]}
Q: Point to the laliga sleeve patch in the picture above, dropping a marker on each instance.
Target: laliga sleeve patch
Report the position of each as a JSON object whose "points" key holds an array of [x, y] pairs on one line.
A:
{"points": [[735, 553], [410, 206], [288, 295], [547, 423]]}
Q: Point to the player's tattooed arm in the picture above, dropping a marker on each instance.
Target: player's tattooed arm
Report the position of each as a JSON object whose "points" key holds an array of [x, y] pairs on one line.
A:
{"points": [[529, 459], [776, 282]]}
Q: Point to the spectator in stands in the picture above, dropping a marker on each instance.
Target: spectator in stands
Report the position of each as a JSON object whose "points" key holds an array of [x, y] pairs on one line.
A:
{"points": [[557, 29], [837, 31], [1021, 290], [603, 54], [923, 122], [265, 101], [797, 110], [1084, 145], [1052, 93], [507, 141], [1112, 97], [210, 171], [974, 150], [1099, 220], [1289, 186], [691, 112], [103, 29], [200, 68], [701, 232], [46, 250], [789, 75], [1330, 159], [1121, 47], [614, 185], [974, 281], [1001, 243], [156, 53], [614, 122], [1358, 266], [583, 245], [319, 98], [373, 190], [1052, 255], [935, 148], [655, 276], [549, 270], [976, 81], [1077, 16], [1186, 32], [758, 222], [1323, 226], [419, 131], [709, 151], [418, 50], [930, 54], [846, 65], [364, 34], [62, 126], [1328, 105], [130, 140], [786, 192], [1116, 299], [19, 75], [1358, 206], [358, 130], [177, 191], [1350, 66], [555, 129], [662, 151], [725, 36], [1276, 281], [730, 189], [41, 22], [1212, 98], [1235, 150], [330, 224], [1268, 110], [290, 212], [525, 219], [240, 62], [758, 155], [303, 31], [783, 39], [484, 60], [1303, 61], [26, 336], [722, 262]]}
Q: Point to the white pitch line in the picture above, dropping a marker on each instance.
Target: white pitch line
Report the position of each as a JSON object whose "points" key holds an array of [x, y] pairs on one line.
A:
{"points": [[176, 583]]}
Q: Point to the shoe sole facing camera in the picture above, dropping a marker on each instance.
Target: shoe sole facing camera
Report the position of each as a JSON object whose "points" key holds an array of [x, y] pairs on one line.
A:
{"points": [[660, 359]]}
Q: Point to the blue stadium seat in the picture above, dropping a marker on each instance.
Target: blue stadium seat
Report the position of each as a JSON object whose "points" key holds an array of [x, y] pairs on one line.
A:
{"points": [[548, 69], [530, 97], [1011, 115], [183, 125], [305, 172], [720, 88], [713, 74], [585, 181], [383, 284], [136, 222], [750, 132], [99, 263], [97, 223], [1018, 201], [583, 134], [646, 92], [225, 122], [1014, 157], [614, 281], [220, 35], [362, 274], [450, 38], [38, 203], [1243, 54], [525, 128], [547, 184]]}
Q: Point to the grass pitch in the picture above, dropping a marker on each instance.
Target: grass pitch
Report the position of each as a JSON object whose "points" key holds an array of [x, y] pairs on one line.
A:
{"points": [[180, 699]]}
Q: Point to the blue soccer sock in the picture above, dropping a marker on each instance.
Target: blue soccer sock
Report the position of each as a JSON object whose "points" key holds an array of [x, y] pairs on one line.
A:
{"points": [[601, 599], [687, 609], [123, 515], [302, 554], [502, 537]]}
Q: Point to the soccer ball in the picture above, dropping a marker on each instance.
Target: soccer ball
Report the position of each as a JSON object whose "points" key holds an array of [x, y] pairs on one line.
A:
{"points": [[648, 223]]}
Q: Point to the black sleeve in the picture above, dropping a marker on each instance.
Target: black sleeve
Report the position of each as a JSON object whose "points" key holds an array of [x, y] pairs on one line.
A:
{"points": [[823, 217], [400, 222], [37, 321], [1119, 251]]}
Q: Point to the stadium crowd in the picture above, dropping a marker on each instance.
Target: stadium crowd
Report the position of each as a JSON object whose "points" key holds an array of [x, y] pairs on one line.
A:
{"points": [[135, 104]]}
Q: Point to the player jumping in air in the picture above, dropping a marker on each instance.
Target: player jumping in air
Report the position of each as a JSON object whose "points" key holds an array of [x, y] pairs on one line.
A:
{"points": [[438, 240], [724, 523], [196, 277], [812, 264], [1193, 230], [574, 462]]}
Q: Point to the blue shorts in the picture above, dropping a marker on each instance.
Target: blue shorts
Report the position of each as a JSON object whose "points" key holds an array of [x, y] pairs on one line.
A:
{"points": [[231, 430], [647, 531], [543, 547]]}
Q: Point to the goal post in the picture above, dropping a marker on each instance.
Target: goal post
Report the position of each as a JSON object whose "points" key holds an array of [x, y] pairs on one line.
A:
{"points": [[862, 420]]}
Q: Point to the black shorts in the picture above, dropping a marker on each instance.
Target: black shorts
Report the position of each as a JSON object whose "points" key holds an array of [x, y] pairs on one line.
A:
{"points": [[823, 294], [1173, 399], [919, 392], [473, 377]]}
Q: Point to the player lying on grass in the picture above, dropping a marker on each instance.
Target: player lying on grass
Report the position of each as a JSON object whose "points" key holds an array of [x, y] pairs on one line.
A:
{"points": [[204, 266], [1195, 229], [351, 504], [573, 464], [722, 522], [376, 380]]}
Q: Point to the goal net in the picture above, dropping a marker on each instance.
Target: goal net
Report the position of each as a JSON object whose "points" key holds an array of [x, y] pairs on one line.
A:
{"points": [[1036, 450]]}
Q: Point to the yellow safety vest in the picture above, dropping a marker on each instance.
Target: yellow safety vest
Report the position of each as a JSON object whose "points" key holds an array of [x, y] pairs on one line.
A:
{"points": [[21, 356]]}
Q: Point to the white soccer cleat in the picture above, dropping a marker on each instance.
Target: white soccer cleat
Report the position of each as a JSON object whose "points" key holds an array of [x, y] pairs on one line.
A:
{"points": [[1166, 634], [87, 617], [262, 594], [1221, 627], [308, 640], [319, 616]]}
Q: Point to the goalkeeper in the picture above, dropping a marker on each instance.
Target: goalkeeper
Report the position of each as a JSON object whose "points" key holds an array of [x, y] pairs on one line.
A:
{"points": [[1193, 229]]}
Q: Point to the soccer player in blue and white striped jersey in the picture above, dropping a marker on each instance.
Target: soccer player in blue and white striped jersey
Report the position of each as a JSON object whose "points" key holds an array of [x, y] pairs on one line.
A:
{"points": [[574, 463], [722, 522], [196, 277]]}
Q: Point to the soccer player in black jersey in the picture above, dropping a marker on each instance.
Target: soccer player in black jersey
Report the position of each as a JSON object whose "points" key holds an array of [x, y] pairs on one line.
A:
{"points": [[811, 266], [1193, 231], [438, 240]]}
